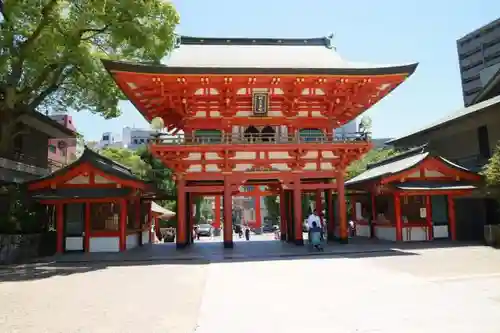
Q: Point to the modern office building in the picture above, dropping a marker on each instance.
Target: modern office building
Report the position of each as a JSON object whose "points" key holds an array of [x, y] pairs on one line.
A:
{"points": [[130, 137], [479, 60], [134, 138]]}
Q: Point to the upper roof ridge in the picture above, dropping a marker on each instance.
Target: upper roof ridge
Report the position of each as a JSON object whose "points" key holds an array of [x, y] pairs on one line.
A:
{"points": [[410, 152], [326, 41]]}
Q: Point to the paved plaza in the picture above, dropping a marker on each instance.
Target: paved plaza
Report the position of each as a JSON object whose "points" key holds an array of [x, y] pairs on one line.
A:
{"points": [[449, 289]]}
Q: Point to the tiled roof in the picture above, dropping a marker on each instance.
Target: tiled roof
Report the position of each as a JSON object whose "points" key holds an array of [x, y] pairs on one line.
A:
{"points": [[258, 55], [99, 162], [261, 52], [399, 163], [464, 112], [388, 168]]}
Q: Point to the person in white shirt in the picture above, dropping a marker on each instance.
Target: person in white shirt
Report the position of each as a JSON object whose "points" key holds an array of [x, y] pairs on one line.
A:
{"points": [[312, 218]]}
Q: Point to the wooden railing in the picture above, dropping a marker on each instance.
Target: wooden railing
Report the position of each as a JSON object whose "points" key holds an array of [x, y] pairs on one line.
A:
{"points": [[23, 163], [231, 138]]}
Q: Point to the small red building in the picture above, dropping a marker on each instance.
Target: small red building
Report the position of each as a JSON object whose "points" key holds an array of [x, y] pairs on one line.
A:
{"points": [[255, 112], [100, 205], [409, 197]]}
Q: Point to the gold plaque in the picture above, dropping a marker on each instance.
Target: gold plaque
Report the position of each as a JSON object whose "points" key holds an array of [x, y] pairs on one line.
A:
{"points": [[260, 103]]}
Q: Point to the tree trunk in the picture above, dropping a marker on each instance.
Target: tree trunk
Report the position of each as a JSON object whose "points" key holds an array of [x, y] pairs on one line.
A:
{"points": [[8, 121]]}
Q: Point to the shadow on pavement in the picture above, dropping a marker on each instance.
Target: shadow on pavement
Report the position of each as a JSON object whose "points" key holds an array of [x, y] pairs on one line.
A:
{"points": [[203, 253]]}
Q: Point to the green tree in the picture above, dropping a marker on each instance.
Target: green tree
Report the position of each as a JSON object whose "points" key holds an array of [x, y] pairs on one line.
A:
{"points": [[128, 158], [373, 156], [156, 171], [144, 165], [491, 173], [51, 50], [272, 206]]}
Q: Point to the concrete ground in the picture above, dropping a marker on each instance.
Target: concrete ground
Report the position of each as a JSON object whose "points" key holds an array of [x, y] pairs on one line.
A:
{"points": [[450, 289]]}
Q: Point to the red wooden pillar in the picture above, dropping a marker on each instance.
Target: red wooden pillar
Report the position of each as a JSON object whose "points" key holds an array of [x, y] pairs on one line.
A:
{"points": [[397, 217], [297, 208], [258, 218], [150, 222], [157, 225], [331, 215], [60, 227], [374, 215], [123, 225], [290, 221], [191, 205], [319, 203], [217, 211], [342, 207], [353, 200], [283, 220], [86, 239], [428, 217], [228, 214], [452, 218], [181, 238], [137, 214]]}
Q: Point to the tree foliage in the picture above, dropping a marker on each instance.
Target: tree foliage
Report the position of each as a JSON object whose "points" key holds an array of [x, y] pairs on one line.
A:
{"points": [[373, 156], [143, 164], [272, 206], [491, 173], [50, 53], [128, 158]]}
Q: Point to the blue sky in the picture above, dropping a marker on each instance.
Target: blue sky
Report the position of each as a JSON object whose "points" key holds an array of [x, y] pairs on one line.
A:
{"points": [[383, 31]]}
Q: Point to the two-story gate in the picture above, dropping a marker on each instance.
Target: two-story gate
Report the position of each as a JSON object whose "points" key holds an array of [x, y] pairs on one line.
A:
{"points": [[243, 111]]}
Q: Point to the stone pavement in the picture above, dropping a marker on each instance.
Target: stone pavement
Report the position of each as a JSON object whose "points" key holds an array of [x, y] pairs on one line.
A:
{"points": [[415, 289], [260, 247], [374, 294], [107, 299]]}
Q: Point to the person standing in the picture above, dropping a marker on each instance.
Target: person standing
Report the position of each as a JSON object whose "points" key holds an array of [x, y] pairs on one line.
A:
{"points": [[313, 218], [247, 233], [315, 240]]}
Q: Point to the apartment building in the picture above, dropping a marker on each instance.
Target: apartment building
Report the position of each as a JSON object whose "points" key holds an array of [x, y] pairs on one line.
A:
{"points": [[479, 59]]}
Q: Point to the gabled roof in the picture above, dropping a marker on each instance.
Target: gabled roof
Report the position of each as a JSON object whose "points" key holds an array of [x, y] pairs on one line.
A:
{"points": [[455, 116], [99, 162], [198, 55], [399, 163], [160, 210]]}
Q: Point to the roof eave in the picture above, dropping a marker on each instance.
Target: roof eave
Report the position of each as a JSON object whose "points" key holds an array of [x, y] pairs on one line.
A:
{"points": [[444, 123], [117, 66]]}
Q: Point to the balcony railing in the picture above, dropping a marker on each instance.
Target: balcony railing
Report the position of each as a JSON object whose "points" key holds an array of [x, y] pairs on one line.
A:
{"points": [[230, 138], [23, 163]]}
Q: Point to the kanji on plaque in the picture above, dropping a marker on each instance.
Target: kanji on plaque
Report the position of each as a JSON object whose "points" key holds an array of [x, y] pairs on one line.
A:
{"points": [[260, 103]]}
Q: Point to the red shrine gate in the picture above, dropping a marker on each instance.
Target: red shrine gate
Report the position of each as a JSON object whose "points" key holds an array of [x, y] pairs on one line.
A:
{"points": [[250, 112]]}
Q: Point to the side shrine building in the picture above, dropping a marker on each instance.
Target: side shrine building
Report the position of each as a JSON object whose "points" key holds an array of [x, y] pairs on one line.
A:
{"points": [[243, 112], [411, 197], [100, 206]]}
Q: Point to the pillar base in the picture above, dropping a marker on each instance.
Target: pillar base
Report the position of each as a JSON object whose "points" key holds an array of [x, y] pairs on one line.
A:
{"points": [[283, 237], [228, 244], [181, 245], [299, 242], [344, 240], [330, 236]]}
